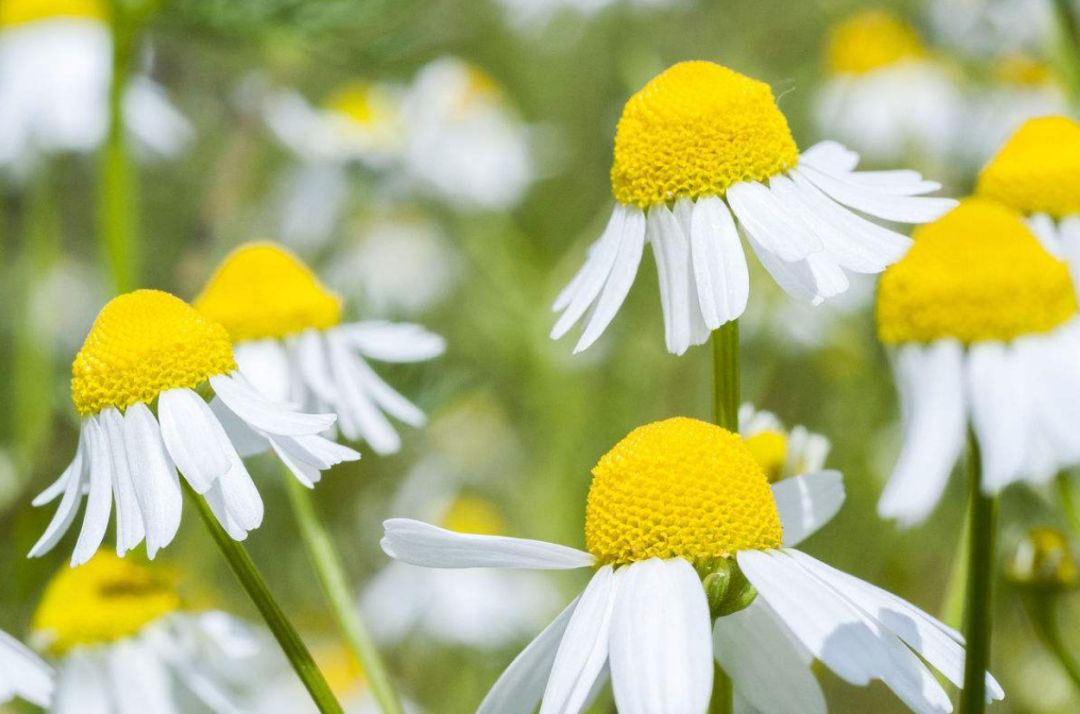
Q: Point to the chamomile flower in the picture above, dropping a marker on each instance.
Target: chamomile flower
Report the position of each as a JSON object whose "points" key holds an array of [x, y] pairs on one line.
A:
{"points": [[140, 384], [123, 643], [291, 343], [982, 325], [55, 71], [675, 503], [701, 147], [782, 452], [23, 675], [885, 95]]}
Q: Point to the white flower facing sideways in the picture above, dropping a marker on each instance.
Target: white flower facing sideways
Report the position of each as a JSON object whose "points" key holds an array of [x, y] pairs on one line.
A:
{"points": [[682, 529], [702, 149], [149, 347], [982, 326], [292, 344], [23, 675], [781, 452]]}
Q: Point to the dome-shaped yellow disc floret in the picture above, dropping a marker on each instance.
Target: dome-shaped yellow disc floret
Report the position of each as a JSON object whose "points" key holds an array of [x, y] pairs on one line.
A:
{"points": [[263, 291], [1038, 168], [103, 601], [19, 12], [141, 344], [975, 274], [679, 488], [871, 40], [695, 130]]}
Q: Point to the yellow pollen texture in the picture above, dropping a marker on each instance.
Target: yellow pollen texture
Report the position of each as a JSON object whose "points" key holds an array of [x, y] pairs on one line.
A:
{"points": [[105, 600], [871, 40], [19, 12], [679, 488], [262, 291], [141, 344], [975, 274], [770, 450], [695, 130], [1038, 168]]}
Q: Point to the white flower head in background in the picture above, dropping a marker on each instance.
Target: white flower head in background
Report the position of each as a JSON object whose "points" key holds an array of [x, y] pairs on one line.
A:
{"points": [[291, 342], [682, 528], [982, 325], [23, 675], [782, 452], [55, 72], [990, 28], [123, 643], [140, 385], [885, 96], [465, 143], [702, 147]]}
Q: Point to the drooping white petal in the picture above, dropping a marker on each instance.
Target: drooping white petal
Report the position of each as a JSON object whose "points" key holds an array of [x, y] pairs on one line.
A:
{"points": [[1053, 383], [796, 279], [215, 499], [359, 417], [129, 523], [617, 285], [265, 364], [829, 278], [889, 206], [768, 222], [190, 432], [699, 331], [244, 439], [998, 414], [80, 686], [74, 478], [99, 499], [139, 681], [386, 397], [157, 486], [723, 280], [241, 497], [394, 341], [433, 547], [261, 413], [661, 650], [314, 362], [305, 473], [23, 673], [671, 250], [806, 503]]}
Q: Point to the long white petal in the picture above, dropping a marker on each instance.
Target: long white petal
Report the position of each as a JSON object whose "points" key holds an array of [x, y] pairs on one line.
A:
{"points": [[394, 341], [24, 673], [617, 286], [766, 219], [81, 686], [831, 156], [139, 681], [189, 430], [129, 523], [796, 279], [806, 503], [672, 251], [723, 280], [73, 479], [433, 547], [243, 438], [265, 364], [359, 417], [157, 486], [388, 399], [99, 499], [261, 413], [887, 206], [998, 414], [599, 266]]}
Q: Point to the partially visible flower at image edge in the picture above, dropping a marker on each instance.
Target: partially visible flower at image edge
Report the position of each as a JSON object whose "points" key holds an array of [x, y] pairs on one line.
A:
{"points": [[782, 452]]}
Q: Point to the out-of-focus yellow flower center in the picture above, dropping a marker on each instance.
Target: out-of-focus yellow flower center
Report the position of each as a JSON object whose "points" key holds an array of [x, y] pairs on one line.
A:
{"points": [[105, 600], [1023, 70], [470, 514], [1038, 169], [19, 12], [262, 291], [679, 488], [353, 101], [342, 670], [141, 344], [975, 274], [1044, 559], [871, 40], [770, 450], [695, 130]]}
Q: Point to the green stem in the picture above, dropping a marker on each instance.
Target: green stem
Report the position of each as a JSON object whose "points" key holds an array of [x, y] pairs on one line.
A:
{"points": [[723, 696], [726, 375], [952, 608], [1042, 609], [251, 580], [1068, 501], [328, 567], [1069, 50], [977, 612]]}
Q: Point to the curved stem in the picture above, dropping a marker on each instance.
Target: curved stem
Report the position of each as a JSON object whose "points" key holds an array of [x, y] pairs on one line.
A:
{"points": [[977, 611], [250, 578], [726, 376], [1043, 612], [331, 573]]}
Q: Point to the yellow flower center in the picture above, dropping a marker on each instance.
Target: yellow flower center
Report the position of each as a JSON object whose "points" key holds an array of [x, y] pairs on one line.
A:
{"points": [[19, 12], [353, 101], [262, 291], [1044, 559], [975, 274], [469, 514], [105, 600], [769, 448], [679, 488], [1038, 169], [343, 672], [1023, 71], [871, 40], [141, 344], [695, 130]]}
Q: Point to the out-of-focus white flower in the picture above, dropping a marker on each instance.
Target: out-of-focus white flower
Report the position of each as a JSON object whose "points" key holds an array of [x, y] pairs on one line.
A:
{"points": [[782, 453], [22, 673], [990, 27], [465, 144], [55, 72], [63, 303], [885, 96]]}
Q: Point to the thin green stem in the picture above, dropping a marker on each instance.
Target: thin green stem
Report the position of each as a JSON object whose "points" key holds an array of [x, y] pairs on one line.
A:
{"points": [[1068, 501], [978, 609], [1069, 49], [723, 696], [252, 581], [331, 573], [952, 608], [1042, 609], [726, 375]]}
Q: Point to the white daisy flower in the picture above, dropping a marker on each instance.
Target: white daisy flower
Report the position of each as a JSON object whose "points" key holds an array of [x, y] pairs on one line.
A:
{"points": [[988, 28], [22, 674], [145, 348], [701, 147], [123, 644], [782, 452], [674, 504], [291, 343], [465, 143], [55, 72], [982, 325], [885, 96]]}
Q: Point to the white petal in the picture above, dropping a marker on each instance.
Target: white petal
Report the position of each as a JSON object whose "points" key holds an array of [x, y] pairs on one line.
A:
{"points": [[243, 438], [359, 417], [998, 412], [314, 360], [140, 682], [190, 432], [831, 156], [129, 523], [719, 263], [265, 364], [765, 219], [427, 545], [884, 205], [661, 650], [241, 497], [305, 473], [99, 499], [24, 673], [263, 414], [806, 503], [617, 286], [386, 397], [394, 342], [73, 480], [829, 278], [796, 279], [81, 687], [520, 688], [316, 450], [157, 487], [215, 499], [672, 252]]}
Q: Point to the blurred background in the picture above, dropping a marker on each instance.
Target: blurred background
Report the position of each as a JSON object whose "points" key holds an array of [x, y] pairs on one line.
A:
{"points": [[446, 162]]}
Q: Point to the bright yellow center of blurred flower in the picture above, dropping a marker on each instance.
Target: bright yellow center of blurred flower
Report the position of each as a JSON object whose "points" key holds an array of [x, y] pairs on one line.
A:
{"points": [[19, 12], [354, 101], [341, 669], [770, 450], [469, 514], [141, 344], [105, 600], [695, 130], [679, 488], [975, 274], [1038, 169], [871, 40], [262, 291]]}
